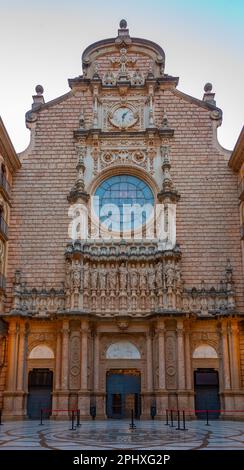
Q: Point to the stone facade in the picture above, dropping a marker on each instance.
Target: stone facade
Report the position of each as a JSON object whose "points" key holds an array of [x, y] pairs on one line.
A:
{"points": [[163, 295]]}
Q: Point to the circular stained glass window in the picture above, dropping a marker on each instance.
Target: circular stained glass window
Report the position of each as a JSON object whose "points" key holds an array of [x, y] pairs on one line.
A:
{"points": [[123, 203]]}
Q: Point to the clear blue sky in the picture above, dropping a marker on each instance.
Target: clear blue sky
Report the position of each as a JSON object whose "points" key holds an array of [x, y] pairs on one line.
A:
{"points": [[42, 42]]}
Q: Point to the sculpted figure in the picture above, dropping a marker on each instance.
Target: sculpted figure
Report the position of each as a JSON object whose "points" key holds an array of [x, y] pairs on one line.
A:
{"points": [[94, 277], [159, 276], [169, 272], [143, 277], [86, 276], [133, 277], [112, 277], [151, 277], [102, 277], [76, 274], [68, 274], [123, 276]]}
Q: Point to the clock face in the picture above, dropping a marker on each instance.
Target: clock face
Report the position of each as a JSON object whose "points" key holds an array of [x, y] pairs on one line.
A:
{"points": [[123, 117]]}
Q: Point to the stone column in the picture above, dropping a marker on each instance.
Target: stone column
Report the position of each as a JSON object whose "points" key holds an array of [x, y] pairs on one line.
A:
{"points": [[58, 361], [96, 362], [149, 362], [225, 356], [19, 402], [99, 395], [181, 355], [188, 360], [12, 350], [84, 395], [63, 402], [161, 395], [21, 358], [161, 356], [9, 394], [234, 355]]}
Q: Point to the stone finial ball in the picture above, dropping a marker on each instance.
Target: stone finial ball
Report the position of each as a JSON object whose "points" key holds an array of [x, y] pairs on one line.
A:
{"points": [[208, 87], [39, 89], [123, 24]]}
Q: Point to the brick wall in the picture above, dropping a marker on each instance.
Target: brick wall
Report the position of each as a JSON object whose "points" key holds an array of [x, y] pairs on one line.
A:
{"points": [[207, 218]]}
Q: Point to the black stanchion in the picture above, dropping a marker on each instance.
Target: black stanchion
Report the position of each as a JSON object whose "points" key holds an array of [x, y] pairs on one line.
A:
{"points": [[78, 419], [184, 421], [132, 424], [207, 423], [178, 420], [41, 417], [171, 419], [72, 421], [1, 424], [167, 418]]}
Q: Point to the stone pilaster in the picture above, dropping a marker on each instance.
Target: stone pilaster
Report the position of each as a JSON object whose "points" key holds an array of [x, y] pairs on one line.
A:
{"points": [[84, 394]]}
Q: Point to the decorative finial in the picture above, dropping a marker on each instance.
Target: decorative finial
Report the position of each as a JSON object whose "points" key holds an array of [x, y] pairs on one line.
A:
{"points": [[123, 24], [208, 87], [39, 90], [208, 94]]}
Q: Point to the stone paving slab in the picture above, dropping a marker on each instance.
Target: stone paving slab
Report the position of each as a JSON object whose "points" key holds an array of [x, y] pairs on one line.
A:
{"points": [[115, 434]]}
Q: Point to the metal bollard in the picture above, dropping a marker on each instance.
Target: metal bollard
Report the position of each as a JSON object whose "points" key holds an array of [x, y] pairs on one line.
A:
{"points": [[171, 418], [78, 418], [132, 424], [207, 423], [178, 419], [72, 421], [184, 421], [41, 418], [167, 418], [1, 424]]}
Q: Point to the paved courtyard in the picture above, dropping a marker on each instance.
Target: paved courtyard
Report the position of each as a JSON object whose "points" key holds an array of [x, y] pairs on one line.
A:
{"points": [[148, 435]]}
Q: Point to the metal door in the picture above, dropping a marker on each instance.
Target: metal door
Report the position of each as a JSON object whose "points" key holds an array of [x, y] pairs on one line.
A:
{"points": [[207, 393], [123, 395], [40, 393]]}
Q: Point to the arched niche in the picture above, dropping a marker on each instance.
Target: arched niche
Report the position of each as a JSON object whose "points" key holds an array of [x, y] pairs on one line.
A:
{"points": [[123, 350], [204, 351], [41, 352]]}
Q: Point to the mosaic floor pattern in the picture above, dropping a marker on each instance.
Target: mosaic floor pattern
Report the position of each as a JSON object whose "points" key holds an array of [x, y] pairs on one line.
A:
{"points": [[148, 435]]}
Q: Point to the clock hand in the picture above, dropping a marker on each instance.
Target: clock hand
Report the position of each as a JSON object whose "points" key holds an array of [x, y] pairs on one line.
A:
{"points": [[124, 114]]}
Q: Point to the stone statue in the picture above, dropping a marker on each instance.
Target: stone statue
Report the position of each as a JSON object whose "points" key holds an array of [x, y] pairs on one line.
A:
{"points": [[143, 277], [169, 274], [76, 275], [86, 276], [133, 277], [159, 276], [94, 277], [68, 275], [151, 277], [102, 277], [112, 278], [123, 277]]}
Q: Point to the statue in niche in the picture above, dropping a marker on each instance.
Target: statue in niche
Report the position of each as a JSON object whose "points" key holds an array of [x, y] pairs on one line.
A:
{"points": [[169, 274], [102, 277], [159, 275], [151, 277], [133, 277], [86, 276], [123, 277], [68, 275], [112, 278], [76, 275], [94, 277], [143, 277], [177, 277]]}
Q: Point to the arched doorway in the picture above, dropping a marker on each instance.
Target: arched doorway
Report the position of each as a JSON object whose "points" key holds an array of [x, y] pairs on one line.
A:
{"points": [[123, 393], [40, 385]]}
